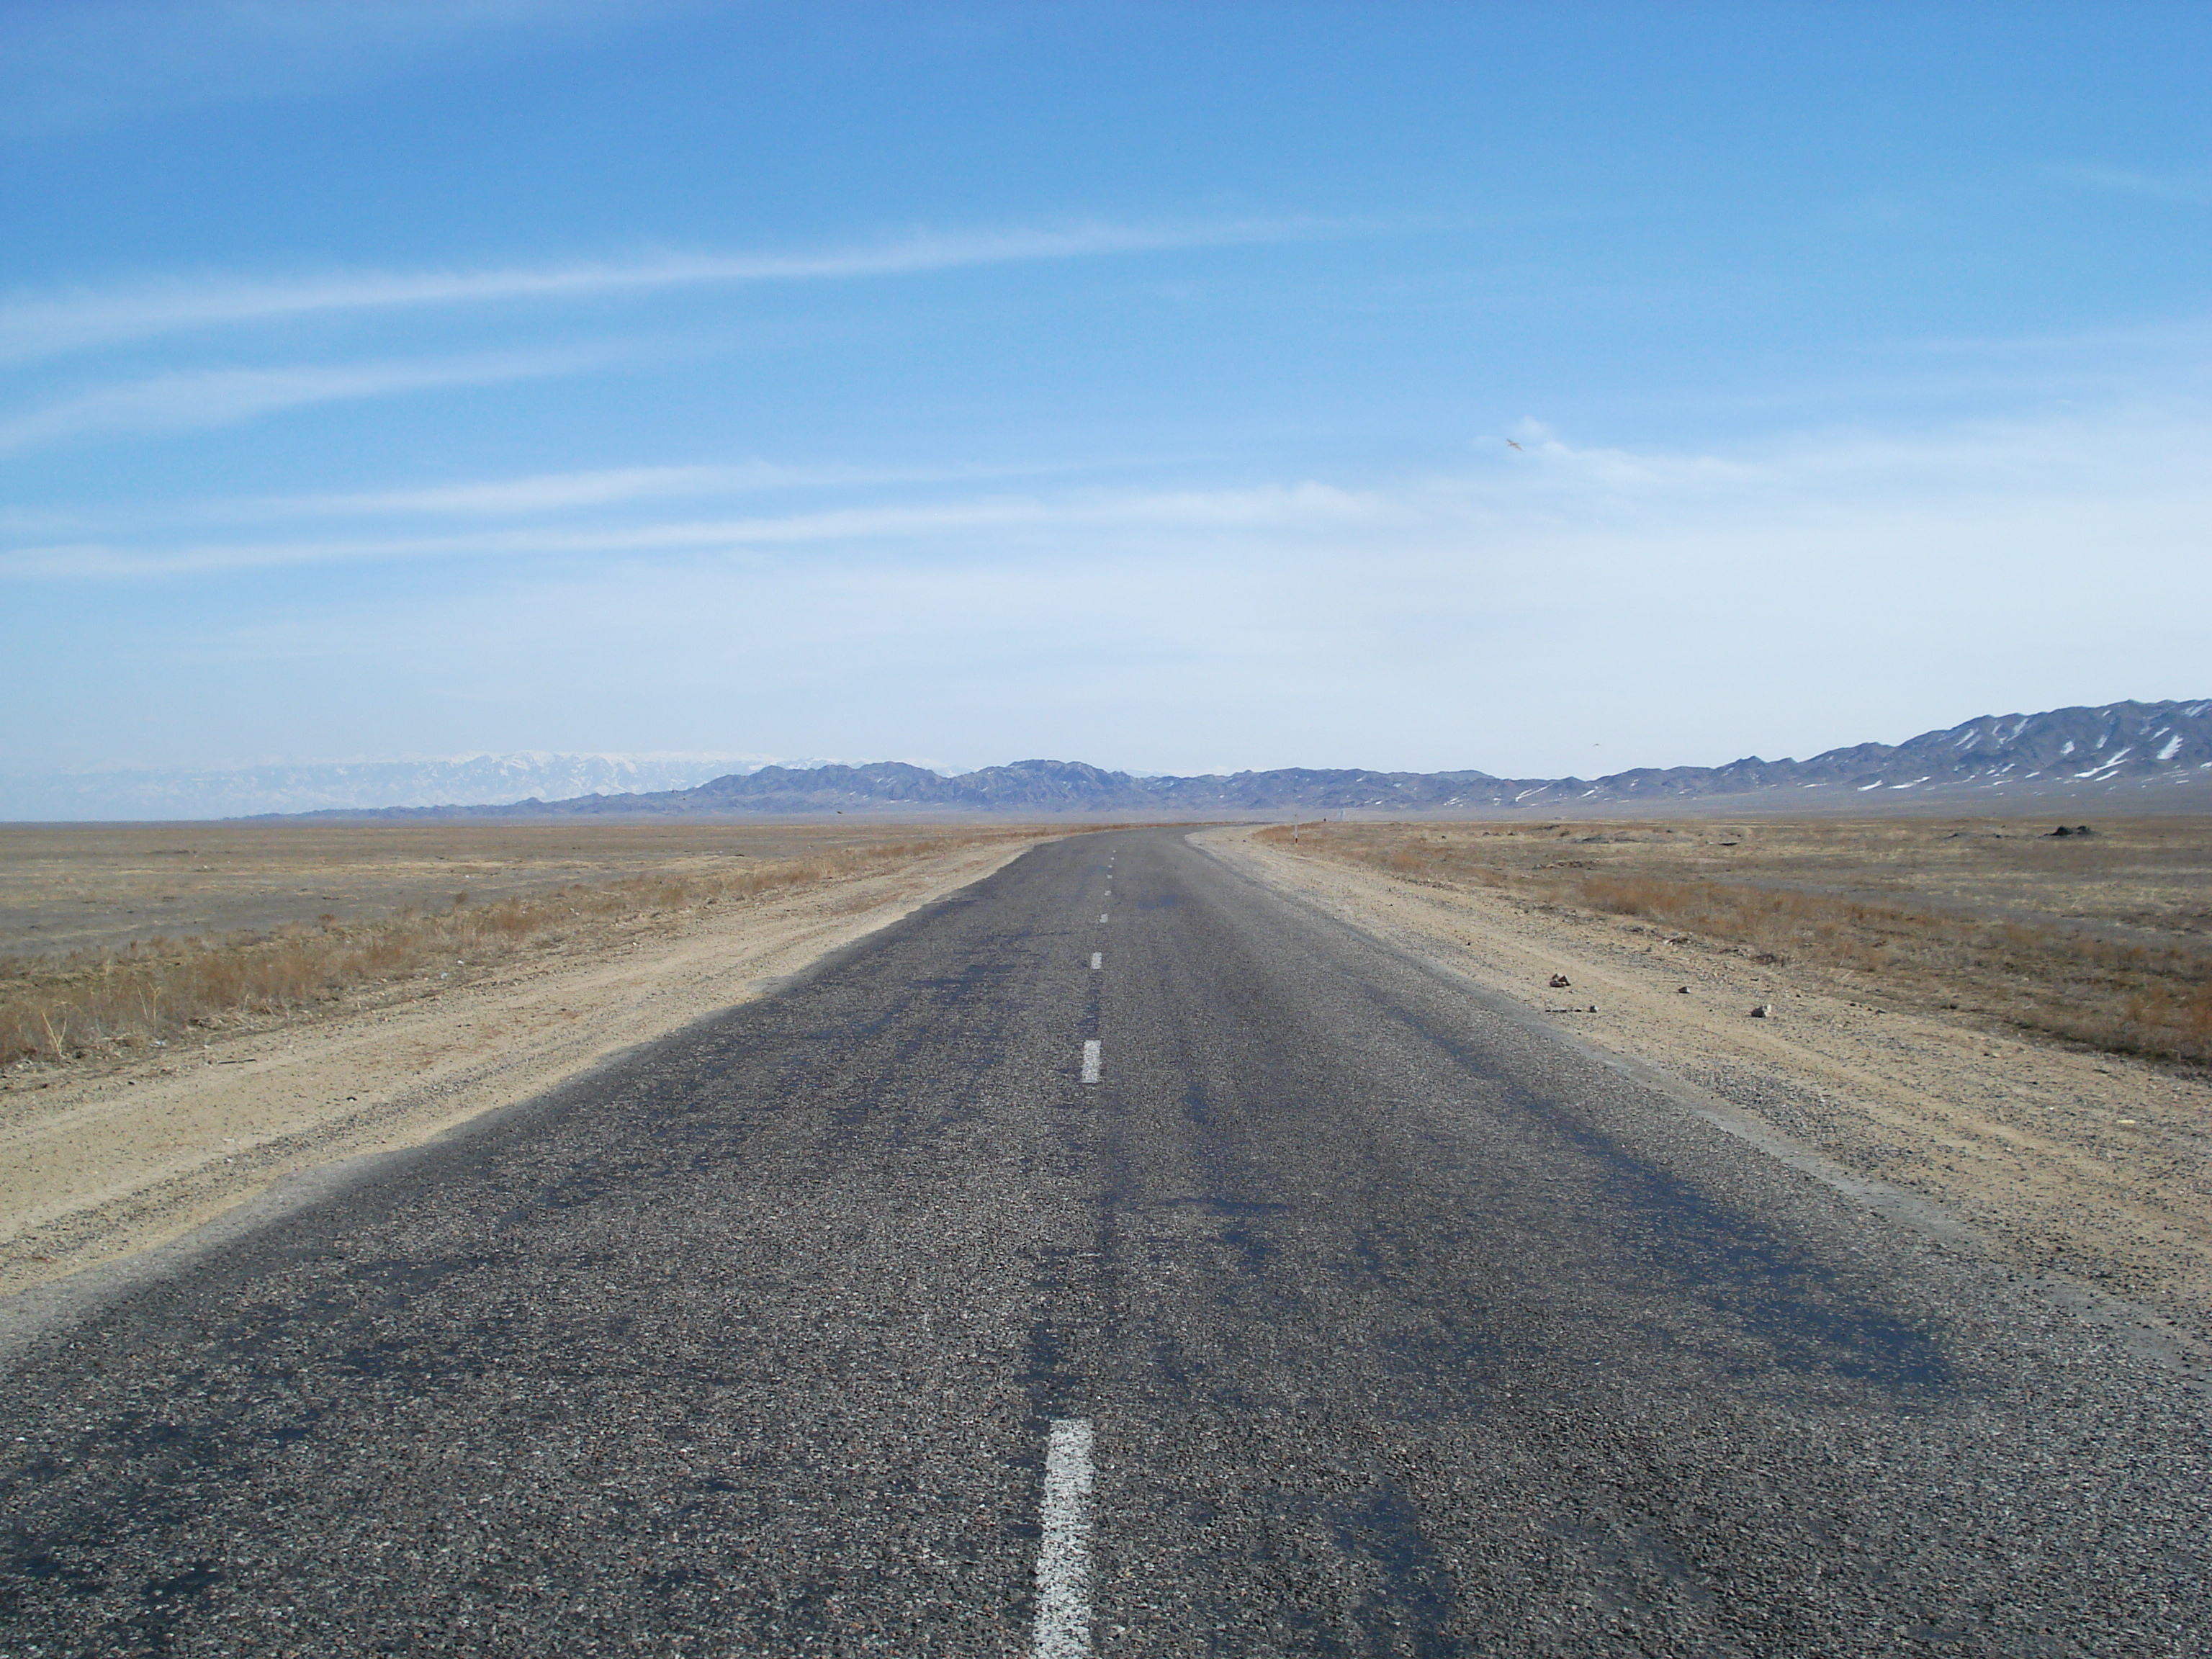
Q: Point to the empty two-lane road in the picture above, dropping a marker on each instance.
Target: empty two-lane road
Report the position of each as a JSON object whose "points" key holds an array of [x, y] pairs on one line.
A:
{"points": [[1116, 1257]]}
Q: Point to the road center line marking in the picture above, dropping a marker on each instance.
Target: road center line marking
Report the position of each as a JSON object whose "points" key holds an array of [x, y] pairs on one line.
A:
{"points": [[1097, 959], [1063, 1570], [1102, 917], [1090, 1062]]}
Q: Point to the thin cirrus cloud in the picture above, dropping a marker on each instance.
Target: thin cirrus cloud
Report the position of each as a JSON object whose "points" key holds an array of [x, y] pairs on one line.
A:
{"points": [[539, 493], [551, 492], [195, 398], [2139, 475], [53, 325], [908, 526]]}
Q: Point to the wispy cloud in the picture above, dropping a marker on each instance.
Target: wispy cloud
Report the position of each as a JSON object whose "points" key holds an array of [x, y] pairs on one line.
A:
{"points": [[536, 494], [180, 401], [1280, 509], [1825, 588], [52, 324], [555, 492], [1549, 490]]}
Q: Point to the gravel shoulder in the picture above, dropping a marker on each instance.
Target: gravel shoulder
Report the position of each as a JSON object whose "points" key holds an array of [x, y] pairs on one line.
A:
{"points": [[2082, 1166], [94, 1167]]}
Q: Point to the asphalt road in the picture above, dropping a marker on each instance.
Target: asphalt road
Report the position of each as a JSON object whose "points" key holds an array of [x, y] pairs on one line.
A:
{"points": [[1345, 1313]]}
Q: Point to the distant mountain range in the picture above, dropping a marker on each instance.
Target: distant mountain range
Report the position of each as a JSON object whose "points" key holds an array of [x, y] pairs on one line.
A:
{"points": [[352, 786], [2151, 752]]}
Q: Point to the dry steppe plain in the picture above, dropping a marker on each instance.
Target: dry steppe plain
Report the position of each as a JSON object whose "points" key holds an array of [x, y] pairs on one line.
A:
{"points": [[76, 887], [2104, 937]]}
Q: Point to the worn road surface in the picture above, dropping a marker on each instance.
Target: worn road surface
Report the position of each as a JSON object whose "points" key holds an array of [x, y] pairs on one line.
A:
{"points": [[1345, 1313]]}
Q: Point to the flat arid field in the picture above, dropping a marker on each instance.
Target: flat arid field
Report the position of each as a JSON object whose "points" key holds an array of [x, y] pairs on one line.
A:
{"points": [[310, 993], [65, 888], [2015, 1025]]}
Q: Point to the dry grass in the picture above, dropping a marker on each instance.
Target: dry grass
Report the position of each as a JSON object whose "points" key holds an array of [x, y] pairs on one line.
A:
{"points": [[151, 993], [73, 888], [2104, 942]]}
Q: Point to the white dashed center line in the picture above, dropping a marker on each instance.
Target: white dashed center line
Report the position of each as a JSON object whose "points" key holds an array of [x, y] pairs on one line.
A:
{"points": [[1097, 959], [1102, 916], [1063, 1571], [1091, 1061]]}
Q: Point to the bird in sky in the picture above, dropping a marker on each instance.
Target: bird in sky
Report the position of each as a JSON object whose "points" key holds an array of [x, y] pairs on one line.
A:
{"points": [[1512, 445]]}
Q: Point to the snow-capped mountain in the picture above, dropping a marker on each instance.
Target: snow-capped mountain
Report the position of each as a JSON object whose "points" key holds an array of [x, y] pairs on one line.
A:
{"points": [[2149, 750], [2115, 748], [308, 787]]}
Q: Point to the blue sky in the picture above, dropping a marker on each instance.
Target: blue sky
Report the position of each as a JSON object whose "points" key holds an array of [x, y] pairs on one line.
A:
{"points": [[1127, 383]]}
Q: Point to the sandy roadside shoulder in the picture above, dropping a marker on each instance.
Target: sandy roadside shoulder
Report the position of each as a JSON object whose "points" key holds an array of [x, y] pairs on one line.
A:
{"points": [[2070, 1163], [94, 1168]]}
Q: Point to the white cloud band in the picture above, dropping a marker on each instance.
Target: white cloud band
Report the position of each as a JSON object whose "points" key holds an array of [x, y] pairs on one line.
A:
{"points": [[56, 325], [206, 398]]}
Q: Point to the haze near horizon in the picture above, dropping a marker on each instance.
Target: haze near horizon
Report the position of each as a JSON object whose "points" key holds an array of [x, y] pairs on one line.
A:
{"points": [[1185, 389]]}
